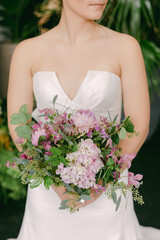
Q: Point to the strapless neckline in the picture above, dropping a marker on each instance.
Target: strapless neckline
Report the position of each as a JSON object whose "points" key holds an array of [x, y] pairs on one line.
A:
{"points": [[82, 83]]}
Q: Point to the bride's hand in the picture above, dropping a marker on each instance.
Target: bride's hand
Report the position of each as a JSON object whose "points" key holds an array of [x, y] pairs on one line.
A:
{"points": [[93, 196], [60, 191]]}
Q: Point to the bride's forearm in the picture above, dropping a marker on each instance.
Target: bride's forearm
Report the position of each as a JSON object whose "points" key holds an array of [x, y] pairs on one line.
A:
{"points": [[133, 145]]}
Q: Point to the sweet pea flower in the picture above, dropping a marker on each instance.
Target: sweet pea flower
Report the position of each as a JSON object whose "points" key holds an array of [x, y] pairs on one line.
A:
{"points": [[36, 135], [133, 179], [109, 142], [127, 158], [47, 111], [84, 120]]}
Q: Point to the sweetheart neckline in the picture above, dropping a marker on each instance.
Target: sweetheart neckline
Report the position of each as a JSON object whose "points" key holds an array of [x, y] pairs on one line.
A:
{"points": [[44, 71], [83, 81]]}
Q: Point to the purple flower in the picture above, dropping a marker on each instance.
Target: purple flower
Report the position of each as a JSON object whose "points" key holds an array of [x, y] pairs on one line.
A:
{"points": [[104, 134], [84, 120], [133, 179]]}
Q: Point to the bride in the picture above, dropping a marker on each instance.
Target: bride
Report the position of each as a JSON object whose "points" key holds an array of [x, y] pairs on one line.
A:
{"points": [[91, 67]]}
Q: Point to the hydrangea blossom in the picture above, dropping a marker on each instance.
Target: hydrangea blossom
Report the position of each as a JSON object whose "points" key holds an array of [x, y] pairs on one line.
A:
{"points": [[84, 164]]}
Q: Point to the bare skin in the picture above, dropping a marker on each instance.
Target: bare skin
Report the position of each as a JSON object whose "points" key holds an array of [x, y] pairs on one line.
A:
{"points": [[78, 44]]}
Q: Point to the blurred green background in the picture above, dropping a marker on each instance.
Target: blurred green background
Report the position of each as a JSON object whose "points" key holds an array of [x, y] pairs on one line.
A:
{"points": [[22, 19]]}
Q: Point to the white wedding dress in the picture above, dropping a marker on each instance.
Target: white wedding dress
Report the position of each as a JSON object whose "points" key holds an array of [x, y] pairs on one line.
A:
{"points": [[100, 92]]}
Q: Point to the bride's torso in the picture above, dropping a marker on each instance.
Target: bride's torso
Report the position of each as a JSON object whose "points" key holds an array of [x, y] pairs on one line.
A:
{"points": [[100, 91], [83, 76]]}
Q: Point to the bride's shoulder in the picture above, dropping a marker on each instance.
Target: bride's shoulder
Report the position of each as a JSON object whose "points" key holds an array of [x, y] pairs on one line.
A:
{"points": [[30, 45], [120, 39]]}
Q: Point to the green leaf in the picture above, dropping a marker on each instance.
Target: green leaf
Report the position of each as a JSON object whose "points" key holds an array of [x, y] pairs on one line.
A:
{"points": [[74, 147], [48, 182], [129, 127], [55, 151], [36, 183], [63, 160], [113, 129], [41, 139], [115, 118], [28, 116], [85, 197], [64, 202], [122, 133], [110, 162], [23, 131], [118, 203], [115, 138], [23, 108], [55, 163], [18, 118], [52, 159]]}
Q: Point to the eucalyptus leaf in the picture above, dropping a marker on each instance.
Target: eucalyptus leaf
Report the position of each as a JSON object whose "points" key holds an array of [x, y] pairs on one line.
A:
{"points": [[68, 187], [63, 207], [55, 99], [114, 197], [64, 202], [118, 203], [85, 197]]}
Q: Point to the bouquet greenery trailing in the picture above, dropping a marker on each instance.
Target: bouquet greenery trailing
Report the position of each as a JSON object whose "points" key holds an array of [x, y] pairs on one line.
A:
{"points": [[10, 185], [76, 151]]}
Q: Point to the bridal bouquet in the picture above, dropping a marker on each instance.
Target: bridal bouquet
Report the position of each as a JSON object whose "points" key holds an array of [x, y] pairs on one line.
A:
{"points": [[76, 151]]}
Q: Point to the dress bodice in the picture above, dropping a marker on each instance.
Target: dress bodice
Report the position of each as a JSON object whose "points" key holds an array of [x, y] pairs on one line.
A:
{"points": [[100, 91]]}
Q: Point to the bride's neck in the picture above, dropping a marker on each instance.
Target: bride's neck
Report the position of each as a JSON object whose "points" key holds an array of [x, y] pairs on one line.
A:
{"points": [[74, 28]]}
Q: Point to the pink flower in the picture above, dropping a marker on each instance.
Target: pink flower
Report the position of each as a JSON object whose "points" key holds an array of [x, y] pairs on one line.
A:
{"points": [[84, 120], [35, 126], [47, 111], [36, 135], [133, 179], [127, 158], [96, 187], [10, 164], [109, 142], [47, 145], [23, 156]]}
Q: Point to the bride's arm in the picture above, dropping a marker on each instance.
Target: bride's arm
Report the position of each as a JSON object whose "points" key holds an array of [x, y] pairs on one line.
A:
{"points": [[135, 92], [20, 84]]}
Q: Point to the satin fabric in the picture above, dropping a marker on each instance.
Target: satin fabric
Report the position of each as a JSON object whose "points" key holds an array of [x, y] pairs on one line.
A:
{"points": [[101, 92]]}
